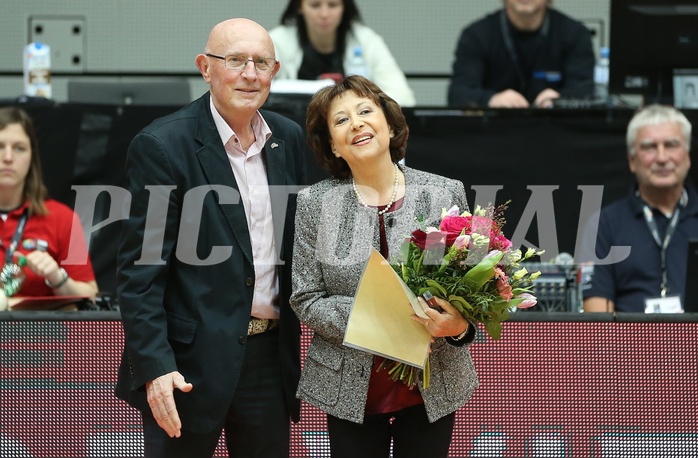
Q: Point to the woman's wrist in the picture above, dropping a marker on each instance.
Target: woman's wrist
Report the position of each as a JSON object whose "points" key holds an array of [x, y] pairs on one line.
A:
{"points": [[462, 334], [63, 274]]}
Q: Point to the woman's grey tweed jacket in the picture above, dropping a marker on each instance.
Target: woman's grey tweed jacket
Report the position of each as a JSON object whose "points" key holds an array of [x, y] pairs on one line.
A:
{"points": [[334, 234]]}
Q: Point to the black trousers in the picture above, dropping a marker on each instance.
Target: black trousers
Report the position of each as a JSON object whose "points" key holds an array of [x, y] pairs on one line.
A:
{"points": [[257, 424], [411, 433]]}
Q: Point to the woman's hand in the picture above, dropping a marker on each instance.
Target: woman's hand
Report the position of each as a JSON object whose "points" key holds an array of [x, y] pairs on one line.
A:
{"points": [[42, 264], [447, 323]]}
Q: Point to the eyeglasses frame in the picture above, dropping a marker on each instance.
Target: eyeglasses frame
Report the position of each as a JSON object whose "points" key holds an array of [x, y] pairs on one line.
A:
{"points": [[249, 59]]}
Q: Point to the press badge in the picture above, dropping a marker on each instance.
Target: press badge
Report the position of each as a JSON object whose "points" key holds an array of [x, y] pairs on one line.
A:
{"points": [[35, 244], [668, 304], [551, 77]]}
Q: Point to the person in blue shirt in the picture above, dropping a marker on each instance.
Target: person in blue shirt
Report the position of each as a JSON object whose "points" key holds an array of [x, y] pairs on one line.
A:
{"points": [[656, 221]]}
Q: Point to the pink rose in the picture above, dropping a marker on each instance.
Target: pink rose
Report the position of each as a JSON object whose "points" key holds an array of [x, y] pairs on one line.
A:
{"points": [[484, 226], [453, 226], [501, 243]]}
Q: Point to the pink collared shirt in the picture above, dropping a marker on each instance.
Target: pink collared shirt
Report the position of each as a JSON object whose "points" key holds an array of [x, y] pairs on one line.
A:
{"points": [[251, 176]]}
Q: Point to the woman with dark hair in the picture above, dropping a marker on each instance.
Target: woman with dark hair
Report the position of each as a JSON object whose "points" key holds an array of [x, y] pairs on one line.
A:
{"points": [[359, 135], [34, 227], [319, 39]]}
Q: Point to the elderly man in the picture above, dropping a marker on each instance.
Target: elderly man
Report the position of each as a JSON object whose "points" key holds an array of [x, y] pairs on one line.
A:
{"points": [[203, 272], [656, 221], [526, 54]]}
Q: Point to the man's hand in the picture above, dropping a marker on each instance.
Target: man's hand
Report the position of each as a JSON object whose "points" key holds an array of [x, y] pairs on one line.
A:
{"points": [[546, 97], [162, 403], [508, 99]]}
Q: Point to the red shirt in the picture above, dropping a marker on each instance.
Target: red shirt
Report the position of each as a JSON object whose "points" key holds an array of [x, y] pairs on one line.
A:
{"points": [[54, 231], [385, 395]]}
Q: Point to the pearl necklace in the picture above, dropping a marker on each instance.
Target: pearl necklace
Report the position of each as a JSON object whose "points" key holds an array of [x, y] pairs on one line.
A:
{"points": [[392, 198]]}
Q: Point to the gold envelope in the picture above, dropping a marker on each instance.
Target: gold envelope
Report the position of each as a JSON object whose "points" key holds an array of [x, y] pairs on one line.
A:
{"points": [[380, 321]]}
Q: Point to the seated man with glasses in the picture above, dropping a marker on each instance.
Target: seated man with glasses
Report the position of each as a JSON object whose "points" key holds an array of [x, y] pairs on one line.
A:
{"points": [[641, 250], [203, 271]]}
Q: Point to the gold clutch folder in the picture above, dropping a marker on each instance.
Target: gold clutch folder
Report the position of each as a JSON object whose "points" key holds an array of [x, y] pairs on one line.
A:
{"points": [[380, 321]]}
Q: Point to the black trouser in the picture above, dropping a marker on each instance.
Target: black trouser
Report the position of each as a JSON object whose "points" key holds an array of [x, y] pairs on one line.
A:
{"points": [[257, 424], [412, 435]]}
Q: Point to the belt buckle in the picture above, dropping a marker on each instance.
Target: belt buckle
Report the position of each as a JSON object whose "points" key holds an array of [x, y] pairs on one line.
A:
{"points": [[260, 325]]}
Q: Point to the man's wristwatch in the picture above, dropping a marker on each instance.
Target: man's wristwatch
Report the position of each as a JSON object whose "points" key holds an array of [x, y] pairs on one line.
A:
{"points": [[60, 283]]}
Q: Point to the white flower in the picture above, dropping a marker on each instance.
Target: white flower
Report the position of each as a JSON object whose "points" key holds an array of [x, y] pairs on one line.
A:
{"points": [[512, 257], [462, 242], [453, 211], [529, 253], [519, 274], [480, 240], [479, 211]]}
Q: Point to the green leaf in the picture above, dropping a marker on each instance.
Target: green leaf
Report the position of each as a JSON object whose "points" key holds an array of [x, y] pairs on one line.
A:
{"points": [[405, 251], [435, 285], [515, 302], [494, 329], [460, 303], [418, 262], [483, 271]]}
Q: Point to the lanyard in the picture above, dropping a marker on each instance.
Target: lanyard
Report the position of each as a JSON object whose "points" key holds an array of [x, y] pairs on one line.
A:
{"points": [[17, 236], [513, 54], [662, 244]]}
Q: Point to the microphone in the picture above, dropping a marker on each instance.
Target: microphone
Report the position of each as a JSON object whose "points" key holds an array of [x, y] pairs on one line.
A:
{"points": [[391, 222]]}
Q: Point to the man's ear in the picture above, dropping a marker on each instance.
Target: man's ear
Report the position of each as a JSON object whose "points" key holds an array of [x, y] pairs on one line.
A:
{"points": [[277, 67], [202, 64], [631, 162]]}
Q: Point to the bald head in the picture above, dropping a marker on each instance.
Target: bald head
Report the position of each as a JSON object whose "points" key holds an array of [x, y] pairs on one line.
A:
{"points": [[237, 93], [232, 31]]}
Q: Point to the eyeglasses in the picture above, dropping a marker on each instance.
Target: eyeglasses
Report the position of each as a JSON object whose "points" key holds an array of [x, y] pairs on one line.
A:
{"points": [[238, 62]]}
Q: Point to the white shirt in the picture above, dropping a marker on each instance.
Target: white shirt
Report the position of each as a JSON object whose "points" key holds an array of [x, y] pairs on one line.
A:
{"points": [[251, 176]]}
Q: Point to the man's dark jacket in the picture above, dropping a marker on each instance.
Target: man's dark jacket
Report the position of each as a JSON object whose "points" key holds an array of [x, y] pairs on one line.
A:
{"points": [[192, 316]]}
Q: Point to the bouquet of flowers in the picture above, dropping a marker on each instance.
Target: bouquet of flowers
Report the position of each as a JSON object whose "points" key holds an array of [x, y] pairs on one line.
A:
{"points": [[470, 263]]}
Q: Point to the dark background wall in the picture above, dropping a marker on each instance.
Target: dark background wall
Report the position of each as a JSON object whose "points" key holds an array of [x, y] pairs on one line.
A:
{"points": [[513, 151]]}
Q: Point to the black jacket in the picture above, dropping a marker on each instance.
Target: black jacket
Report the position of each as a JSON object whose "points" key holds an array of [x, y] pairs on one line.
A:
{"points": [[178, 315]]}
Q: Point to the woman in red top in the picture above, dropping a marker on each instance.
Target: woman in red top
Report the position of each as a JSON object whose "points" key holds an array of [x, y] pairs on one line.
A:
{"points": [[45, 232]]}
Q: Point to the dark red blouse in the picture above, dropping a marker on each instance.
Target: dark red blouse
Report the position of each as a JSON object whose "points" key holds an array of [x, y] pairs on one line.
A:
{"points": [[385, 395]]}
